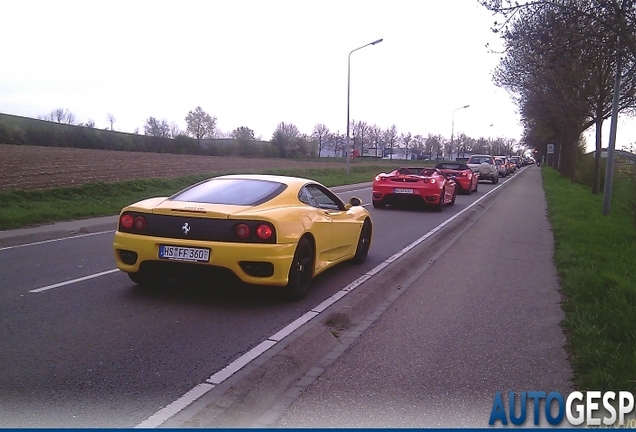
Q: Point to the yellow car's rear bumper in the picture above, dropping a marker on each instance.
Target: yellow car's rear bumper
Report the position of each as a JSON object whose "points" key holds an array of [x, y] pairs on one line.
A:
{"points": [[222, 254]]}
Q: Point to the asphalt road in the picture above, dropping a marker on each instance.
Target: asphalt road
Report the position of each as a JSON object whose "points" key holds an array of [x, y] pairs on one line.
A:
{"points": [[82, 346], [484, 318]]}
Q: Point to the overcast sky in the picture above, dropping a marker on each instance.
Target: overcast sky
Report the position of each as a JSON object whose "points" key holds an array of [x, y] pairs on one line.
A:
{"points": [[257, 63]]}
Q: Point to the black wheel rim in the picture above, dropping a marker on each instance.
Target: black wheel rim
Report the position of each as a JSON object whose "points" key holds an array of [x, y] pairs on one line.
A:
{"points": [[302, 267], [365, 240]]}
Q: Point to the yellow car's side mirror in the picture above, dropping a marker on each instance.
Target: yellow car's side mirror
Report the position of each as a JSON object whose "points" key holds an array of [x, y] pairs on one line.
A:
{"points": [[355, 201]]}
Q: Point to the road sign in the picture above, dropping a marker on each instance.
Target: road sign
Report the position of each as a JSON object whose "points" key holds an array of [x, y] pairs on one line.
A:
{"points": [[550, 148]]}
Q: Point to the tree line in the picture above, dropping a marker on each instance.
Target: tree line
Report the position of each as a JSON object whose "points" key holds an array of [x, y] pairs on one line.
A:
{"points": [[290, 142], [388, 141], [564, 61], [39, 132], [59, 128]]}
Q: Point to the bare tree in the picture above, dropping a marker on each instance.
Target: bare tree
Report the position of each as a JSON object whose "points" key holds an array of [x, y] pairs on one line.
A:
{"points": [[111, 120], [70, 117], [433, 144], [320, 134], [464, 144], [375, 136], [59, 115], [391, 139], [360, 130], [156, 128], [428, 145], [175, 130], [614, 18], [337, 142], [406, 140], [417, 145], [481, 146]]}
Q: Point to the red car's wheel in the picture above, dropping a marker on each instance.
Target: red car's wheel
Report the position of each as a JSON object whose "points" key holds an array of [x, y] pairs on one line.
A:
{"points": [[455, 196], [440, 205]]}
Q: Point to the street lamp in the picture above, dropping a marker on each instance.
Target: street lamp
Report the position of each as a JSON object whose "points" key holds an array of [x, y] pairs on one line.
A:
{"points": [[453, 129], [349, 93]]}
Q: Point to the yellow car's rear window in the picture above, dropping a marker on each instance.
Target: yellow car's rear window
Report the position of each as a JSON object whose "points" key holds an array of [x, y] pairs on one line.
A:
{"points": [[243, 192]]}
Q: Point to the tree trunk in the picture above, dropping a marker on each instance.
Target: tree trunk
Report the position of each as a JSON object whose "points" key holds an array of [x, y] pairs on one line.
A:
{"points": [[596, 180]]}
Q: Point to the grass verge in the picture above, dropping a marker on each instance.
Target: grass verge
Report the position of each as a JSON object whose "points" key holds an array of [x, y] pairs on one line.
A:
{"points": [[26, 208], [595, 256]]}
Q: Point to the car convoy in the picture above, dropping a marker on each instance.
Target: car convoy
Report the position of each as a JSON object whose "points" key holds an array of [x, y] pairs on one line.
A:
{"points": [[277, 230]]}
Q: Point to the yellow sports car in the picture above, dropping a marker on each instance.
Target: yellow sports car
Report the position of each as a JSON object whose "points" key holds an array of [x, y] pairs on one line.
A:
{"points": [[267, 229]]}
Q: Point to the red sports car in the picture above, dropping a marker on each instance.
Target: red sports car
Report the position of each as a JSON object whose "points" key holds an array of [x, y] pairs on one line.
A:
{"points": [[467, 180], [428, 186]]}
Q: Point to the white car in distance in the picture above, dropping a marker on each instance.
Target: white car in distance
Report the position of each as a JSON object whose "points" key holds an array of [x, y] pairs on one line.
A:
{"points": [[486, 167]]}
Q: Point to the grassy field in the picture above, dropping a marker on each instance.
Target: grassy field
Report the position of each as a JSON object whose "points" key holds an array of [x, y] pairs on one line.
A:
{"points": [[20, 208], [595, 256]]}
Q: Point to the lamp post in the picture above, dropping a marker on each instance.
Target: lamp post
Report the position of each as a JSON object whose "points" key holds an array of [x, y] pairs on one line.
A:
{"points": [[349, 95], [453, 129]]}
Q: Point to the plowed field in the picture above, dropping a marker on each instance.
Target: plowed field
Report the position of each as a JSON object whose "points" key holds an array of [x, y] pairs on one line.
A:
{"points": [[30, 168]]}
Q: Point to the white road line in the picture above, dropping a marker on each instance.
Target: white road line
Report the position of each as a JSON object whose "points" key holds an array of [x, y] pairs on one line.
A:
{"points": [[56, 240], [176, 406], [217, 378], [355, 190], [240, 362], [72, 281]]}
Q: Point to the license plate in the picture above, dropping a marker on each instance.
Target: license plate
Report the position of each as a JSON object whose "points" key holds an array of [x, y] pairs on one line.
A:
{"points": [[184, 253], [403, 191]]}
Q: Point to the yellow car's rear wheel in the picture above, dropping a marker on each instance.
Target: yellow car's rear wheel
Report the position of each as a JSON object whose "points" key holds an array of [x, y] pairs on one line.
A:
{"points": [[364, 242], [301, 270]]}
